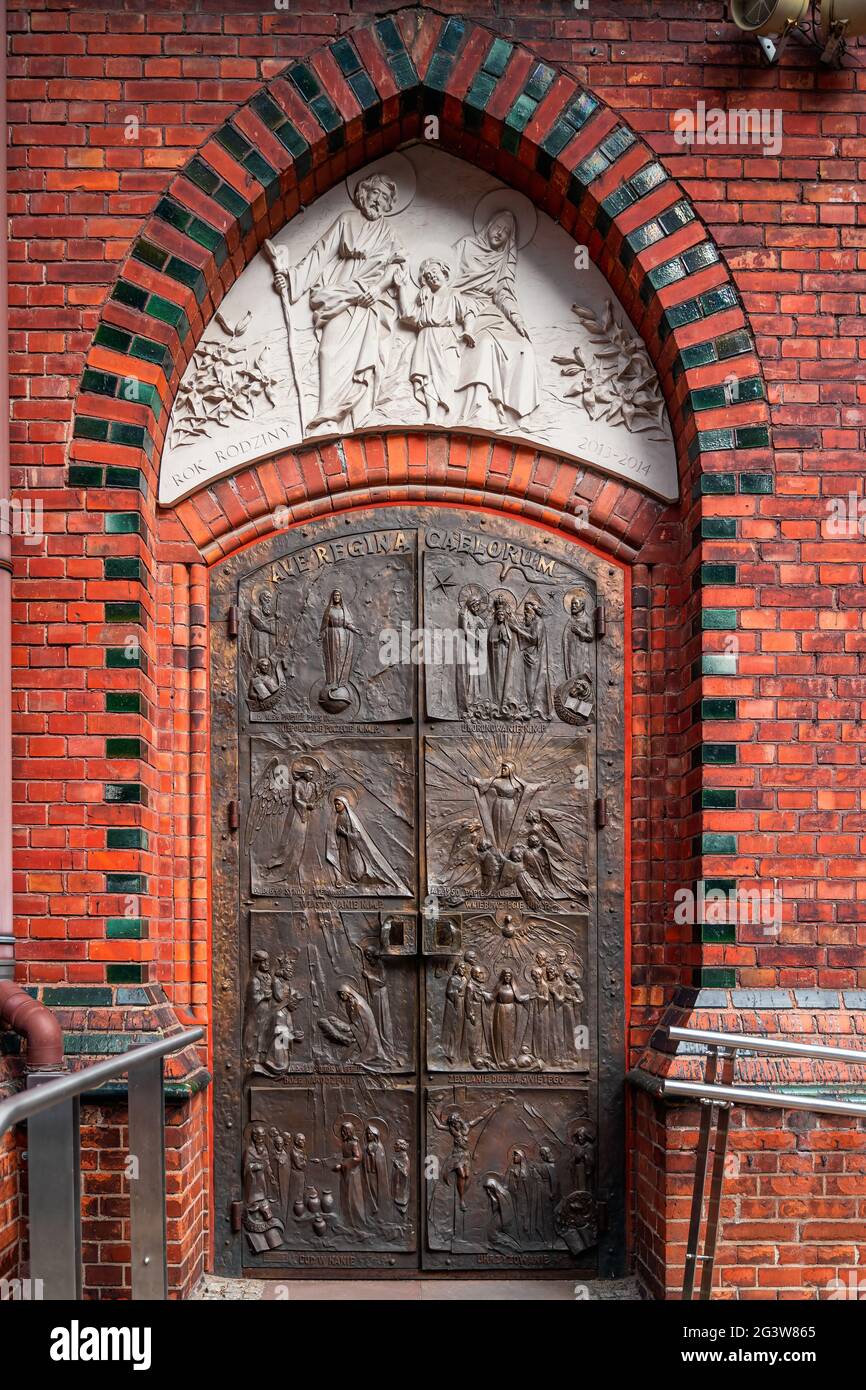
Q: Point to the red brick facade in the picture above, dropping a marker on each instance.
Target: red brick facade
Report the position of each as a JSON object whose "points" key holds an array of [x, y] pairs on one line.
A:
{"points": [[152, 153]]}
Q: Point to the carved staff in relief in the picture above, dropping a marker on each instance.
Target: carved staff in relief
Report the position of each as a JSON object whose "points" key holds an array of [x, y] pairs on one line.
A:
{"points": [[281, 284]]}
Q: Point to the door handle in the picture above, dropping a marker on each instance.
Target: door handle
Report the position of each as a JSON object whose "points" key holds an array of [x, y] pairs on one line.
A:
{"points": [[441, 933]]}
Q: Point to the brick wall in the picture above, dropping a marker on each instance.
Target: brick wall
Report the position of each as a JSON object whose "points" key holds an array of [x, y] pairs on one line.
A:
{"points": [[754, 775]]}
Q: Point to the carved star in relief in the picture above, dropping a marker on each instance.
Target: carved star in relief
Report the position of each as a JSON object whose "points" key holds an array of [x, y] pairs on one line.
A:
{"points": [[443, 585]]}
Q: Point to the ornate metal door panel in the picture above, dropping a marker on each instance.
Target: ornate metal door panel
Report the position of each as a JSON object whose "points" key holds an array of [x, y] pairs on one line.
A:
{"points": [[418, 731]]}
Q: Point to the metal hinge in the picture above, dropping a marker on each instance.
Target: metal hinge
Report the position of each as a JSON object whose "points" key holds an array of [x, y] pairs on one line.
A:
{"points": [[600, 619], [600, 812], [232, 620], [236, 1214], [233, 811]]}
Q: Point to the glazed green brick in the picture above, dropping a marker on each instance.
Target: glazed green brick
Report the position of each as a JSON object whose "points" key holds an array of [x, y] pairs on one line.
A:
{"points": [[123, 748], [719, 885], [124, 974], [718, 754], [88, 427], [123, 612], [719, 933], [85, 475], [715, 708], [99, 383], [126, 837], [718, 977], [131, 295], [84, 996], [122, 702], [165, 310], [717, 842], [718, 528], [108, 336], [127, 884], [718, 574], [122, 524], [123, 567], [123, 793], [718, 619], [719, 663], [752, 437], [760, 483], [121, 659], [717, 485], [497, 57], [131, 478], [717, 799]]}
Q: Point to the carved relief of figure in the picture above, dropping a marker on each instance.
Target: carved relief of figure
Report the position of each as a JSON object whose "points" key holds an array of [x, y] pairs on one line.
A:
{"points": [[500, 800], [477, 1042], [537, 1031], [263, 627], [258, 1174], [266, 682], [400, 1177], [576, 633], [502, 1231], [351, 1178], [375, 1170], [282, 1166], [471, 667], [571, 1013], [353, 855], [442, 320], [337, 634], [582, 1159], [458, 1164], [519, 1181], [298, 1158], [284, 1034], [532, 638], [502, 661], [363, 1025], [307, 790], [257, 1006], [506, 1000], [453, 1014], [498, 378], [545, 1195], [376, 984], [349, 276]]}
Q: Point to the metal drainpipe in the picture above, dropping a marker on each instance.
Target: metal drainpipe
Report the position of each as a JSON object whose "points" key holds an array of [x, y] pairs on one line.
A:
{"points": [[32, 1020], [7, 938]]}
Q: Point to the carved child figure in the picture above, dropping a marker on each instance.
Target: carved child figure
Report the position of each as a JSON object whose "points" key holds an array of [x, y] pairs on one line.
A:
{"points": [[442, 320]]}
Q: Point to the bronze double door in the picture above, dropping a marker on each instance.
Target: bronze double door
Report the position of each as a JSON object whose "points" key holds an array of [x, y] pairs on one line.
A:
{"points": [[417, 820]]}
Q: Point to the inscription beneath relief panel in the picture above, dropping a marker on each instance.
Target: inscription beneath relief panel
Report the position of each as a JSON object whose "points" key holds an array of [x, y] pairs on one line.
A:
{"points": [[329, 1168], [521, 628], [314, 646], [334, 816], [507, 817], [513, 999], [510, 1174]]}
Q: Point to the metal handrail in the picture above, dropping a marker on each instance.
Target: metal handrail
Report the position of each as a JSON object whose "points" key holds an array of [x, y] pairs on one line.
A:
{"points": [[48, 1093], [743, 1042], [51, 1108], [717, 1101]]}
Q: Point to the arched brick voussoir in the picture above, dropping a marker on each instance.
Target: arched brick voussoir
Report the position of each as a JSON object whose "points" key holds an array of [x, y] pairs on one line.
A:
{"points": [[392, 468], [497, 105]]}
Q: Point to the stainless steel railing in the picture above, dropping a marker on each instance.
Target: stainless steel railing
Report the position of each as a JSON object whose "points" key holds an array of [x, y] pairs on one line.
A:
{"points": [[51, 1109], [718, 1099]]}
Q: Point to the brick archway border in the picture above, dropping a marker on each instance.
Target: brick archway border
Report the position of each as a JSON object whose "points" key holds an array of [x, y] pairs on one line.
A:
{"points": [[536, 128]]}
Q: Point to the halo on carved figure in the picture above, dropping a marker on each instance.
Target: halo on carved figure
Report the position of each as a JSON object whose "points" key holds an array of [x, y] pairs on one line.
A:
{"points": [[307, 765], [567, 599], [347, 794], [507, 200], [393, 166], [471, 592]]}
